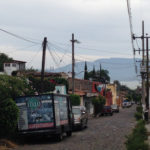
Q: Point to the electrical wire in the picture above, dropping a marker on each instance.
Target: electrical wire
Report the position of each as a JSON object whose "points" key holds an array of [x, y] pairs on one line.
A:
{"points": [[131, 31], [87, 48], [77, 57], [34, 56], [18, 36], [51, 54], [23, 48]]}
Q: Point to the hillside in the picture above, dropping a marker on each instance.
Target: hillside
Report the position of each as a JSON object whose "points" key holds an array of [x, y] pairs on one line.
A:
{"points": [[121, 69]]}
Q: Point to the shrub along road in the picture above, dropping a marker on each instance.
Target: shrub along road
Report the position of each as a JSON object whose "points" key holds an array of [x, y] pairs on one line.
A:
{"points": [[104, 133]]}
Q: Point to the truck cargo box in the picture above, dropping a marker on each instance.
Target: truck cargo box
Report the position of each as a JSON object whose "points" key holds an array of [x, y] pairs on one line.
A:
{"points": [[49, 114]]}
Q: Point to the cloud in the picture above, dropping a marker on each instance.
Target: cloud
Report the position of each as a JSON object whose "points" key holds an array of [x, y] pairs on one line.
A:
{"points": [[99, 24]]}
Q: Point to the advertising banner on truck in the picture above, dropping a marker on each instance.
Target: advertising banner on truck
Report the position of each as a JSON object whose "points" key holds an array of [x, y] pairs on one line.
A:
{"points": [[63, 109], [35, 112]]}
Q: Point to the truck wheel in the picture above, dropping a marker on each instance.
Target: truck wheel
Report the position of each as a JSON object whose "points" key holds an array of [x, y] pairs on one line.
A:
{"points": [[86, 123], [81, 126], [69, 133]]}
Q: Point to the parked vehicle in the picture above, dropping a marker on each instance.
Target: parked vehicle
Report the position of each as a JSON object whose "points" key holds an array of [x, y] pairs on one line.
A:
{"points": [[115, 108], [80, 117], [126, 104], [46, 114], [107, 110]]}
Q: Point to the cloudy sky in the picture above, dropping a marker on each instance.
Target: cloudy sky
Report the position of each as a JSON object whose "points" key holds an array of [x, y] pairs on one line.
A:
{"points": [[101, 26]]}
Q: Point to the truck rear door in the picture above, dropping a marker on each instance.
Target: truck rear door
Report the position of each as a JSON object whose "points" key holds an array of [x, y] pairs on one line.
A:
{"points": [[35, 112]]}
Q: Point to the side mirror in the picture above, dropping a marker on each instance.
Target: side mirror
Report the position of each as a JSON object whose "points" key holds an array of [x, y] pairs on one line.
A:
{"points": [[83, 112]]}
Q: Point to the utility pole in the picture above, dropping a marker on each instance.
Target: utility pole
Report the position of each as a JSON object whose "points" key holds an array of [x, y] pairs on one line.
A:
{"points": [[147, 71], [100, 73], [143, 65], [44, 44], [73, 61]]}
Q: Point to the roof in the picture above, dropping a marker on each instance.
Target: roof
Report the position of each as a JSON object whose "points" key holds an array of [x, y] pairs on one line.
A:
{"points": [[78, 92], [15, 61], [46, 74]]}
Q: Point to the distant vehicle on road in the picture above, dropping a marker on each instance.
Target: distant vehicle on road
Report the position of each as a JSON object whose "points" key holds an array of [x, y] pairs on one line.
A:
{"points": [[107, 110], [80, 116], [126, 104], [115, 108]]}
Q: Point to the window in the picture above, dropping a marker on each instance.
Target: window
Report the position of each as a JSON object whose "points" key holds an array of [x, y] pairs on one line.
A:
{"points": [[14, 65], [7, 65]]}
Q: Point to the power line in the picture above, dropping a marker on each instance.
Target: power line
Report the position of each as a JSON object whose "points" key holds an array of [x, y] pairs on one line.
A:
{"points": [[34, 56], [20, 49], [92, 49], [131, 31], [18, 36], [52, 56]]}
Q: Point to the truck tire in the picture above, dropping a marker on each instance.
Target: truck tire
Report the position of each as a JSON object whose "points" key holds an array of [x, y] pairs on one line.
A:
{"points": [[69, 133], [86, 123]]}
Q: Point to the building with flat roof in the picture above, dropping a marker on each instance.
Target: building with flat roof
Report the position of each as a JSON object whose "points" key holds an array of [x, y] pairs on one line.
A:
{"points": [[13, 65]]}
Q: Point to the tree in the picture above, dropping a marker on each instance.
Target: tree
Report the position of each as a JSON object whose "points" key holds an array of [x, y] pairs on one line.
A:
{"points": [[4, 58], [118, 84], [9, 113], [10, 88], [75, 99], [104, 76], [101, 76], [48, 83], [98, 103], [93, 73], [85, 72]]}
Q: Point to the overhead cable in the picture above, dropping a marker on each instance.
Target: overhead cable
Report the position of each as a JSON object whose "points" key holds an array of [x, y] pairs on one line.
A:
{"points": [[18, 36]]}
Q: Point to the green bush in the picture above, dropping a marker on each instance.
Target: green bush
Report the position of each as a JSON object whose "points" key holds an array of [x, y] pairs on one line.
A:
{"points": [[75, 99], [138, 116], [48, 83], [136, 140], [14, 87], [139, 109], [10, 88], [98, 103], [9, 117]]}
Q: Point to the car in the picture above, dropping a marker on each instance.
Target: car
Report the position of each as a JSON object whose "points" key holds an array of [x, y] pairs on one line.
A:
{"points": [[107, 110], [126, 104], [80, 117], [115, 108]]}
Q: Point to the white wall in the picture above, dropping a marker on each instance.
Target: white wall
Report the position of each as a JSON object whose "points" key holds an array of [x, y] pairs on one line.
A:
{"points": [[9, 69]]}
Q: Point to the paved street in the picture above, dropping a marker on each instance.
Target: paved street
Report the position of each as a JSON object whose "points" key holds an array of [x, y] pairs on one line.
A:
{"points": [[104, 133]]}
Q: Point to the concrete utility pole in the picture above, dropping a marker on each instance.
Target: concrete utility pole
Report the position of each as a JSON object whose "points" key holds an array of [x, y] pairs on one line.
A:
{"points": [[143, 65], [43, 62], [147, 71], [73, 61]]}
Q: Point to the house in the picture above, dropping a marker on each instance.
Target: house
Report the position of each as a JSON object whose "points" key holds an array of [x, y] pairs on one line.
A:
{"points": [[108, 96], [87, 90], [113, 88], [14, 65]]}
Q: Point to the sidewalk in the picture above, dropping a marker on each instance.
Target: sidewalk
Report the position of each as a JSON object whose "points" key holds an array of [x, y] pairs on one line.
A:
{"points": [[148, 131]]}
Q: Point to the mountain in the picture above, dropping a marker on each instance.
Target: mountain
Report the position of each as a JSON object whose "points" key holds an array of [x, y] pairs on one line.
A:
{"points": [[122, 69]]}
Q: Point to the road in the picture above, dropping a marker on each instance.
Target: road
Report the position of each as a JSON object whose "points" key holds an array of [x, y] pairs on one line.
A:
{"points": [[104, 133]]}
